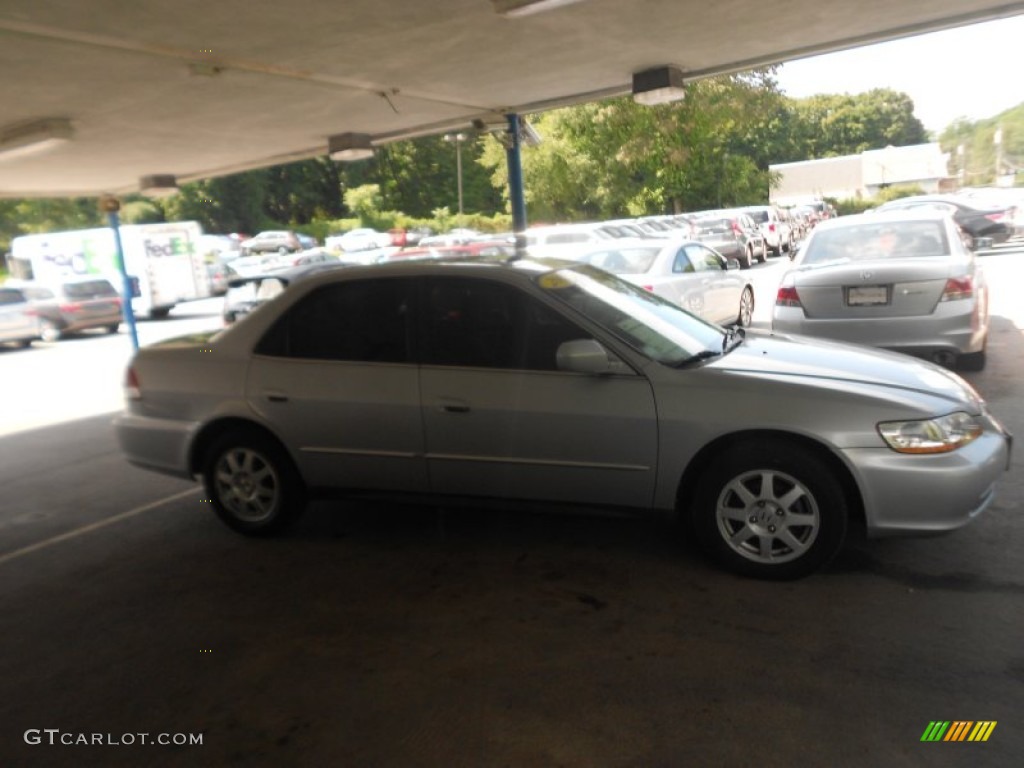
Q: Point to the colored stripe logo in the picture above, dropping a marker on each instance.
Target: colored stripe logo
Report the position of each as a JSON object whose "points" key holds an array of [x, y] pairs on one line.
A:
{"points": [[958, 730]]}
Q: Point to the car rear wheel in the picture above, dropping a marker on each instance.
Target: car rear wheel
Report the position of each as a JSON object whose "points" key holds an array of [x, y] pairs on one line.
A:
{"points": [[746, 261], [746, 313], [112, 328], [771, 510], [762, 257], [252, 483]]}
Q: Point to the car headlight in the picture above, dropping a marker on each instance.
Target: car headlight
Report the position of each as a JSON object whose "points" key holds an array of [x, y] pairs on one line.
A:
{"points": [[939, 435]]}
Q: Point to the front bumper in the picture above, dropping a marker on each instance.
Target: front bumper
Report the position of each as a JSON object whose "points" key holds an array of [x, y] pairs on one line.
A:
{"points": [[919, 494]]}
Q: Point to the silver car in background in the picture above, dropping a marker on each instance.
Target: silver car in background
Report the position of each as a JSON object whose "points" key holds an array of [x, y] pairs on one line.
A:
{"points": [[686, 272], [902, 281], [545, 383]]}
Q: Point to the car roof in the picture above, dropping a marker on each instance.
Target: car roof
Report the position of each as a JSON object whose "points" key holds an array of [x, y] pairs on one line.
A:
{"points": [[879, 216]]}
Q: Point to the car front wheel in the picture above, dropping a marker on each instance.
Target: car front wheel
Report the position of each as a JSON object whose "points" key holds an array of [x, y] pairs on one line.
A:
{"points": [[770, 510], [746, 313], [252, 483]]}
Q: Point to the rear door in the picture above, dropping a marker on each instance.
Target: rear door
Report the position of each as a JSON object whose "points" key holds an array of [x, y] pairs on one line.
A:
{"points": [[502, 421], [336, 379]]}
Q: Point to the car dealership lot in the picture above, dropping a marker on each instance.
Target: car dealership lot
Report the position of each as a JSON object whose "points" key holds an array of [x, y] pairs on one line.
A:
{"points": [[387, 635]]}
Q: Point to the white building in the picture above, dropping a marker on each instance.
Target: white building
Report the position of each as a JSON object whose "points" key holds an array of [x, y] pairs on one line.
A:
{"points": [[863, 175]]}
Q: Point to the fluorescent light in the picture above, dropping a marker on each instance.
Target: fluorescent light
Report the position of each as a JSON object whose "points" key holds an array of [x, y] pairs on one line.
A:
{"points": [[35, 136], [158, 185], [658, 86], [348, 147], [515, 8]]}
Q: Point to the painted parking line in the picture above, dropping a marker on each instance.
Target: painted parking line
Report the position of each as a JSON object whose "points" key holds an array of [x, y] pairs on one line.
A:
{"points": [[74, 534]]}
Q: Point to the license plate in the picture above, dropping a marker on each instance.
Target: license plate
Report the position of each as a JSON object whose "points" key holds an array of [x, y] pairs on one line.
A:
{"points": [[867, 295]]}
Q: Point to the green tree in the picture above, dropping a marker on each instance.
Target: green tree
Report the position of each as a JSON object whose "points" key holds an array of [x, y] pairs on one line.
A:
{"points": [[831, 125]]}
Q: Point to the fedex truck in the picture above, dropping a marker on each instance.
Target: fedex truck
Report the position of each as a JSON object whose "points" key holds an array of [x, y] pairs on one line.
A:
{"points": [[164, 261]]}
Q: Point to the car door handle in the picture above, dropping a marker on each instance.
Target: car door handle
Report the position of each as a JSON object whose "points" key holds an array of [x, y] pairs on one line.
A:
{"points": [[453, 406], [276, 397]]}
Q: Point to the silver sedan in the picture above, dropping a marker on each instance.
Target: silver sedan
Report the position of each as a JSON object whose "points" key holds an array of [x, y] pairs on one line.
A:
{"points": [[541, 383], [688, 273], [902, 281]]}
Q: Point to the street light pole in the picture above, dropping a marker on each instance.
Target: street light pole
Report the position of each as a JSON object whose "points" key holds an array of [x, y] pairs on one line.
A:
{"points": [[457, 138]]}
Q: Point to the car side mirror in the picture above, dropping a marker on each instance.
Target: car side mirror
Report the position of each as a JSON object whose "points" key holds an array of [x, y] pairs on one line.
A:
{"points": [[732, 264], [587, 356], [982, 243]]}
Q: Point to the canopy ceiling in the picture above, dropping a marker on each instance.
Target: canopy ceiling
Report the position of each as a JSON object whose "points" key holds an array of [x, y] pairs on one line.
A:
{"points": [[195, 88]]}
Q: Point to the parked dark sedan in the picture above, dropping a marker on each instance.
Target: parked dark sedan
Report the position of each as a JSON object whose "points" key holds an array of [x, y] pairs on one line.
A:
{"points": [[995, 223], [734, 235]]}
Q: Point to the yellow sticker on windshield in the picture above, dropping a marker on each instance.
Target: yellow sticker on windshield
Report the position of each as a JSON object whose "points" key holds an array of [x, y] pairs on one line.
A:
{"points": [[553, 282]]}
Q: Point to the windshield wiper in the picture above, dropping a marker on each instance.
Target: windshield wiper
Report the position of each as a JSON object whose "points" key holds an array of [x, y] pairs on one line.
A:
{"points": [[704, 354]]}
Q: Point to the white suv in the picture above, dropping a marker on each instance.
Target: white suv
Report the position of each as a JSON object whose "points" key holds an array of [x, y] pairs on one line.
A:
{"points": [[775, 226]]}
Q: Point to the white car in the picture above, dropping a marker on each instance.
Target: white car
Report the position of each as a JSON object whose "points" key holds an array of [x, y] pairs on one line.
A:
{"points": [[539, 383], [362, 239], [685, 272], [563, 241]]}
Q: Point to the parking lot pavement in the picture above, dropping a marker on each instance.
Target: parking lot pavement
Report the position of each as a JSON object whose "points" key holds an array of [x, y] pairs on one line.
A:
{"points": [[383, 635]]}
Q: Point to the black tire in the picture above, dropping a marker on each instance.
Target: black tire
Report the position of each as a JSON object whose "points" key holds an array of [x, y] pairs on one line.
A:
{"points": [[112, 328], [972, 361], [745, 316], [776, 252], [746, 262], [761, 257], [768, 535], [252, 483], [159, 313]]}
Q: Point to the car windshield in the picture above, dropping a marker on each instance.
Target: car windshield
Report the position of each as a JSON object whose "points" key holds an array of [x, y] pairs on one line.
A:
{"points": [[874, 240], [653, 326]]}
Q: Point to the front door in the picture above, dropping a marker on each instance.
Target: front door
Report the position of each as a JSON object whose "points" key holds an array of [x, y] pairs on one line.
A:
{"points": [[502, 421]]}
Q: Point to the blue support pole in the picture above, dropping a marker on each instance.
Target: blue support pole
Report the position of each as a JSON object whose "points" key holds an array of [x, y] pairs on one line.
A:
{"points": [[515, 184], [127, 289]]}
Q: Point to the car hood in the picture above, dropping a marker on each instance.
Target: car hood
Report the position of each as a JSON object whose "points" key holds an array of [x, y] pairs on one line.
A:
{"points": [[777, 355]]}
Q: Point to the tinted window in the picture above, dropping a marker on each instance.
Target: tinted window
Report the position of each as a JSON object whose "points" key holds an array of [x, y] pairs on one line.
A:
{"points": [[89, 289], [359, 321], [486, 324]]}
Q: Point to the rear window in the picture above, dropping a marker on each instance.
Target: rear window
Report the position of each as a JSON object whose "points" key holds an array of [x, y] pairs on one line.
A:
{"points": [[11, 296], [714, 226], [89, 289], [903, 239], [759, 216]]}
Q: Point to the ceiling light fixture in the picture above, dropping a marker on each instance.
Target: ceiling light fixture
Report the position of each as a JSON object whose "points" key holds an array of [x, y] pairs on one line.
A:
{"points": [[659, 85], [34, 136], [348, 147], [158, 185], [515, 8]]}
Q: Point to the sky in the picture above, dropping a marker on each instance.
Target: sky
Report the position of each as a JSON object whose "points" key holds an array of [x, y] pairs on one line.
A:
{"points": [[974, 71]]}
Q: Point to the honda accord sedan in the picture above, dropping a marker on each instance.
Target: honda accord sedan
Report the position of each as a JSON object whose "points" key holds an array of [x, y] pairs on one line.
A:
{"points": [[688, 273], [535, 382], [902, 280]]}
